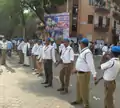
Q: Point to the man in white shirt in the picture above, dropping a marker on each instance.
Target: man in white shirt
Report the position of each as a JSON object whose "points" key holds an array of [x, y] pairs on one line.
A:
{"points": [[4, 52], [111, 69], [49, 58], [84, 66], [67, 58], [105, 49], [26, 50], [20, 48], [34, 50], [61, 47], [39, 62]]}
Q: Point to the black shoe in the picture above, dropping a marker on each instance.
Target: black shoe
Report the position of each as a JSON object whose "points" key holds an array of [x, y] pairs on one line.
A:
{"points": [[48, 86], [60, 89], [45, 82], [64, 92], [74, 103]]}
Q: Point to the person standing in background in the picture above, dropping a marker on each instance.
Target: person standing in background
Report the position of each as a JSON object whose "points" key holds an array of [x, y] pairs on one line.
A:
{"points": [[9, 47], [39, 61], [67, 57], [49, 58], [20, 50], [101, 46], [26, 53], [104, 49], [96, 48], [61, 47], [4, 52], [34, 50], [30, 50], [91, 47]]}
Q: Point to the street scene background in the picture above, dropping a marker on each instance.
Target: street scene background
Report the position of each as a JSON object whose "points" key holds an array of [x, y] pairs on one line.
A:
{"points": [[20, 89]]}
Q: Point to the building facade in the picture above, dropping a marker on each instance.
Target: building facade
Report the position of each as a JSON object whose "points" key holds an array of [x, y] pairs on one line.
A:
{"points": [[94, 20], [98, 20]]}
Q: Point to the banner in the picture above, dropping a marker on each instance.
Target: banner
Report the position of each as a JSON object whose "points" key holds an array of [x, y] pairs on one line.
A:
{"points": [[57, 25]]}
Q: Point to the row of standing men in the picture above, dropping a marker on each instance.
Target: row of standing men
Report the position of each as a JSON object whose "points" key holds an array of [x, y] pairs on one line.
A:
{"points": [[84, 66]]}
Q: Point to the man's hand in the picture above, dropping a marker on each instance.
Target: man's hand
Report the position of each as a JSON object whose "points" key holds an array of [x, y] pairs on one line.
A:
{"points": [[95, 78], [74, 71]]}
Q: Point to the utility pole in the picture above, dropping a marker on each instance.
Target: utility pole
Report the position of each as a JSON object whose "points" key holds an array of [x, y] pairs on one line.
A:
{"points": [[67, 6]]}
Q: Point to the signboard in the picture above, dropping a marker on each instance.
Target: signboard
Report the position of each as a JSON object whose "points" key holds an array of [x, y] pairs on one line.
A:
{"points": [[57, 25]]}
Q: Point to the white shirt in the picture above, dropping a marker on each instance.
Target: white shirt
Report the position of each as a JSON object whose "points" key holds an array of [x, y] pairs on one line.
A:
{"points": [[79, 49], [34, 49], [101, 46], [21, 45], [96, 46], [26, 45], [40, 52], [111, 69], [85, 62], [54, 45], [4, 45], [62, 46], [105, 49], [67, 55], [49, 53]]}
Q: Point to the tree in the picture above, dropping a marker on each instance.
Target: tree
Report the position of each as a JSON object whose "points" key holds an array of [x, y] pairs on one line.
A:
{"points": [[9, 15], [12, 12], [40, 7]]}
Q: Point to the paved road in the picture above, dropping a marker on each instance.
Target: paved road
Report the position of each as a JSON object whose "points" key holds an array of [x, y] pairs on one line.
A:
{"points": [[21, 89]]}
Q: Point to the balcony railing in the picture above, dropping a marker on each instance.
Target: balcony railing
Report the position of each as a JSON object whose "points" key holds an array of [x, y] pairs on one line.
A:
{"points": [[116, 15], [102, 28], [101, 7]]}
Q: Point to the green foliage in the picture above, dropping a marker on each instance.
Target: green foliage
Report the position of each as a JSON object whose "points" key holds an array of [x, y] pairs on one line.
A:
{"points": [[12, 12]]}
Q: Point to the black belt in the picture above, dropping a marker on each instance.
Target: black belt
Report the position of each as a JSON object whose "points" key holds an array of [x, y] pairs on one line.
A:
{"points": [[81, 72], [47, 59]]}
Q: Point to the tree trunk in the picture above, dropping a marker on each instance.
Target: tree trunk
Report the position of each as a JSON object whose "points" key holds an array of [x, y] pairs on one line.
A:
{"points": [[23, 24], [24, 32]]}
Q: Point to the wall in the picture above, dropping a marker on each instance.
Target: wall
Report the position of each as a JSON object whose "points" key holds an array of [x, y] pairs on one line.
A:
{"points": [[84, 11], [88, 29]]}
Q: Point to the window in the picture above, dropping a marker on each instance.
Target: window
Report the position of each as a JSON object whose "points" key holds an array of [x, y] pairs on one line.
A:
{"points": [[75, 9], [74, 18], [91, 2], [100, 21], [90, 19], [115, 24], [74, 24], [108, 22]]}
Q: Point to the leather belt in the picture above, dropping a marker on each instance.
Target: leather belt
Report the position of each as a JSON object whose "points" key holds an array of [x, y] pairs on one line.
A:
{"points": [[81, 72]]}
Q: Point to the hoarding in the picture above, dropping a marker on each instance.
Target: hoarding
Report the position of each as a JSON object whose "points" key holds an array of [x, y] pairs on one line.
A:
{"points": [[57, 25]]}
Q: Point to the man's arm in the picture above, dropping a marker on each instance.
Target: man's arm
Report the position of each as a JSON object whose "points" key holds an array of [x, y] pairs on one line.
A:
{"points": [[72, 55], [90, 62], [53, 55], [107, 65]]}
